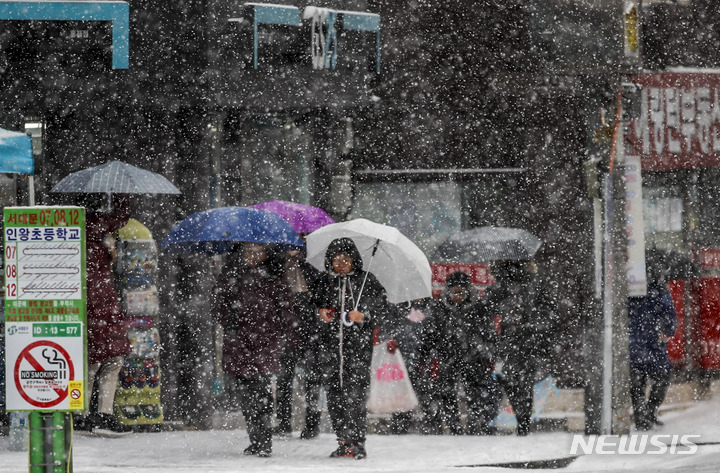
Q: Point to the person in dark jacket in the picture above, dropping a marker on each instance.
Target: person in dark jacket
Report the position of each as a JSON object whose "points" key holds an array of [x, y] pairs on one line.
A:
{"points": [[526, 309], [462, 336], [350, 303], [405, 330], [301, 347], [107, 331], [253, 304], [652, 319]]}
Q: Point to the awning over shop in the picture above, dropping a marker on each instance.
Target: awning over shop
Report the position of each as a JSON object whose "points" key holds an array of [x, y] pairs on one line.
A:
{"points": [[116, 12], [16, 153]]}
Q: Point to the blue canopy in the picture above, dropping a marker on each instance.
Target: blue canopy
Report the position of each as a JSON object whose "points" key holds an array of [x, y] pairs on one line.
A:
{"points": [[16, 153]]}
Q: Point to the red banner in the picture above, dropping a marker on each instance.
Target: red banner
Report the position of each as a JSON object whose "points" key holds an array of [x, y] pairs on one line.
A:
{"points": [[678, 126]]}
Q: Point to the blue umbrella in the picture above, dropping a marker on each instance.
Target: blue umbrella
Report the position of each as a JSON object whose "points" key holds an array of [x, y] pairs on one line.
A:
{"points": [[218, 230], [115, 177], [16, 153]]}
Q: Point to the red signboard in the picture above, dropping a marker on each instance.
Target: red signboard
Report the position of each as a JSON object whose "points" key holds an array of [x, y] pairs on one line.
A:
{"points": [[678, 126], [709, 258], [676, 344], [479, 274], [708, 290]]}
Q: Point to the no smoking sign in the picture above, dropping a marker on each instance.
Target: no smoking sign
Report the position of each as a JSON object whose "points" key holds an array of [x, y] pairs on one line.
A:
{"points": [[43, 372]]}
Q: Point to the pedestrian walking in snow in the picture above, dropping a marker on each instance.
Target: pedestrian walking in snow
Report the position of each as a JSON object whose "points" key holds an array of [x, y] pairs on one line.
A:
{"points": [[462, 337], [253, 305], [405, 328], [350, 303], [526, 309], [107, 331], [301, 348], [652, 320]]}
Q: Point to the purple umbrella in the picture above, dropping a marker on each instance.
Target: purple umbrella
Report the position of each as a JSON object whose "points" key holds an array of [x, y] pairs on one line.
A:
{"points": [[303, 218]]}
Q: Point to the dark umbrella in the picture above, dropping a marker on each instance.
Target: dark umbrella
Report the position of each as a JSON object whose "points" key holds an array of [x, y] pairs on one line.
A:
{"points": [[667, 265], [218, 230], [115, 177], [487, 244]]}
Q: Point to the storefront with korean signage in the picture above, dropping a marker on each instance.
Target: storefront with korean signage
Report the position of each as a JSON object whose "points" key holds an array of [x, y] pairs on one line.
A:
{"points": [[675, 132]]}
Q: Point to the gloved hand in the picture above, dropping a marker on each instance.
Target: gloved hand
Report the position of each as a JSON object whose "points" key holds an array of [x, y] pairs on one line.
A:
{"points": [[391, 346]]}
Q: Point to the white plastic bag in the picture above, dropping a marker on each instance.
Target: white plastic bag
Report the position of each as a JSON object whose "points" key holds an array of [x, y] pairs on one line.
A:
{"points": [[390, 387]]}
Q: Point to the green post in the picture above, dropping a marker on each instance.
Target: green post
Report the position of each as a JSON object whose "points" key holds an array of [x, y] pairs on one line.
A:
{"points": [[37, 453], [58, 441]]}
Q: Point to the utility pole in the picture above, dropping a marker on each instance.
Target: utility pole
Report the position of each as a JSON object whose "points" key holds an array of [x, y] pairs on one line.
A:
{"points": [[607, 397]]}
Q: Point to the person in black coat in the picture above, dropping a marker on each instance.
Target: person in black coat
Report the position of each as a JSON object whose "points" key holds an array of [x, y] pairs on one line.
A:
{"points": [[462, 337], [253, 304], [526, 309], [302, 345], [346, 341], [652, 319], [405, 331]]}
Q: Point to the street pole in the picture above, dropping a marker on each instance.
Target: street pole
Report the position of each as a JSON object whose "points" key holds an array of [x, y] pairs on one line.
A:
{"points": [[616, 372]]}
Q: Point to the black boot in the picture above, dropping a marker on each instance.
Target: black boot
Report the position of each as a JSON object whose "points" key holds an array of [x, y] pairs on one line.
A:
{"points": [[312, 426]]}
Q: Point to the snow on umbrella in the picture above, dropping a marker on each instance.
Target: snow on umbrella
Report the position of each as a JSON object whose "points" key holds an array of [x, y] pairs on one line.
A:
{"points": [[303, 218], [218, 230], [115, 177], [399, 265], [487, 244]]}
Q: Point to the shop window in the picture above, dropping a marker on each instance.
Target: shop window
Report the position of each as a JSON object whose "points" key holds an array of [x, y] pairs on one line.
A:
{"points": [[662, 212], [426, 213]]}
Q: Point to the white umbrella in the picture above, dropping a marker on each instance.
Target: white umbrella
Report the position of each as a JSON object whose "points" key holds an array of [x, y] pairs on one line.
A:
{"points": [[398, 264]]}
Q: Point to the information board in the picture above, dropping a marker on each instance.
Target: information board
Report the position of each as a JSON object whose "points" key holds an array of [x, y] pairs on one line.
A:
{"points": [[45, 308]]}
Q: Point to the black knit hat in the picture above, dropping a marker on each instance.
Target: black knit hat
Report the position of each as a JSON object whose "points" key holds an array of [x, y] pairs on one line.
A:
{"points": [[458, 279]]}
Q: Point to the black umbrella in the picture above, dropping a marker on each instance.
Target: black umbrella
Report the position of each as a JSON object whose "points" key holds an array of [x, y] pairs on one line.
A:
{"points": [[487, 244], [669, 265], [115, 177]]}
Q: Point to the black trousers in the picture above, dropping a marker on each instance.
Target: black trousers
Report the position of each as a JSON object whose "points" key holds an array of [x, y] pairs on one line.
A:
{"points": [[347, 400], [257, 407], [482, 395], [284, 387], [642, 408], [518, 385], [483, 402]]}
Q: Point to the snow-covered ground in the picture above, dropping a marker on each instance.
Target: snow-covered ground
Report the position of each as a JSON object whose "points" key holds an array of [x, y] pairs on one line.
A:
{"points": [[221, 451]]}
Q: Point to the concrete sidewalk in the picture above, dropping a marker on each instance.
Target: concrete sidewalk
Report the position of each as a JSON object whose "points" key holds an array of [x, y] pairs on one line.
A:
{"points": [[564, 412]]}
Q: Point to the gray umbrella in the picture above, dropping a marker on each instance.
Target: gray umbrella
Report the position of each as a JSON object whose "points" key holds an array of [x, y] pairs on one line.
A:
{"points": [[487, 244], [115, 177]]}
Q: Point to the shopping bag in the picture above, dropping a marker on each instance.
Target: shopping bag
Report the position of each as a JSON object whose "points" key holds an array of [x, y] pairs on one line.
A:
{"points": [[390, 388], [542, 392]]}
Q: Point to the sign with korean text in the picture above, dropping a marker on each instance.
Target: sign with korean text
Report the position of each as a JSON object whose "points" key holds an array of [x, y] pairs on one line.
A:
{"points": [[45, 301], [678, 122], [636, 277]]}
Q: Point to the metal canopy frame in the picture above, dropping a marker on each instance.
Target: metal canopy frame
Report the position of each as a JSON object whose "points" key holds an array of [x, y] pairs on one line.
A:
{"points": [[117, 12]]}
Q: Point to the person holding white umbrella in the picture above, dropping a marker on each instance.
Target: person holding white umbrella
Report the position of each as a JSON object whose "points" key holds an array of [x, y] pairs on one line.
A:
{"points": [[367, 265], [351, 303]]}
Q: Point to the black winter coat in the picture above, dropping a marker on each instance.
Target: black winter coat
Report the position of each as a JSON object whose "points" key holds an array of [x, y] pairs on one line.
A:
{"points": [[461, 337], [527, 313], [357, 338]]}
